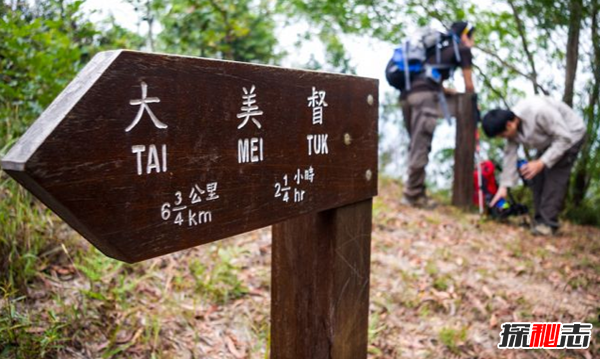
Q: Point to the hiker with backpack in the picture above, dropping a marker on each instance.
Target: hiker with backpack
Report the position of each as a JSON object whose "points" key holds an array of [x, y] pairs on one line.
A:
{"points": [[418, 69], [557, 133]]}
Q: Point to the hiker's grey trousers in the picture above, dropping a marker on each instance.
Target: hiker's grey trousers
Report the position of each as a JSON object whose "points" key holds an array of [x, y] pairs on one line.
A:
{"points": [[421, 111], [550, 187]]}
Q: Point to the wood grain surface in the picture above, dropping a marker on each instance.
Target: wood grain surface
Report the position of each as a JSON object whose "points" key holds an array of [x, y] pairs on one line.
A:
{"points": [[147, 154], [464, 154], [320, 284]]}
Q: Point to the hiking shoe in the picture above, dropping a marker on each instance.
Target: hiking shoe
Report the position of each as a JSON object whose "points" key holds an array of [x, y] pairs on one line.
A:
{"points": [[418, 202], [541, 229]]}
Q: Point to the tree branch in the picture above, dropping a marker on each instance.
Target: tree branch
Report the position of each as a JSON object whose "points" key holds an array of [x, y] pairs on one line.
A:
{"points": [[229, 55], [513, 68], [488, 83], [521, 30]]}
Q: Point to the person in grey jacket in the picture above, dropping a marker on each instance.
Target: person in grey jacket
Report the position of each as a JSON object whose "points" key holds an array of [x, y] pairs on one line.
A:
{"points": [[557, 133]]}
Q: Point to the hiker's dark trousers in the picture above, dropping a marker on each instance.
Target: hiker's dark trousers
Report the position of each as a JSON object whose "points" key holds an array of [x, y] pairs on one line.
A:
{"points": [[421, 111], [550, 187]]}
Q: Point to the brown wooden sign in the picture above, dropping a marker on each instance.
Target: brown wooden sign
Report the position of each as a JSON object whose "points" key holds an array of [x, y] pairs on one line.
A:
{"points": [[147, 154]]}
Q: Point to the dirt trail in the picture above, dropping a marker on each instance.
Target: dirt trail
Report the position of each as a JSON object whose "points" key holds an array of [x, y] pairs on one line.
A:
{"points": [[444, 281]]}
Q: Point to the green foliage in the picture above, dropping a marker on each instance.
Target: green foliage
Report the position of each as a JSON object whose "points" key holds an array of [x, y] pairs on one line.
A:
{"points": [[241, 30], [20, 335], [219, 283], [25, 234], [587, 211], [37, 60], [452, 338], [42, 48], [360, 17]]}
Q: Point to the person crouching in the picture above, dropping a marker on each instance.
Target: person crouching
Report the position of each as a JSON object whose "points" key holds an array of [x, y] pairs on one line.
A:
{"points": [[557, 133]]}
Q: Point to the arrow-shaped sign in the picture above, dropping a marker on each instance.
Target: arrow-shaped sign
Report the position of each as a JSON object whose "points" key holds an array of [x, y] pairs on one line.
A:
{"points": [[147, 154]]}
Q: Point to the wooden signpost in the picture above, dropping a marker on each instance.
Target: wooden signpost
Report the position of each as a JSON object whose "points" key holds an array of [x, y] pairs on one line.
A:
{"points": [[464, 153], [147, 154]]}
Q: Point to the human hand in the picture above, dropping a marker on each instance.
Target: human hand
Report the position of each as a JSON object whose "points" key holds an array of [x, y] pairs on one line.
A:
{"points": [[502, 193], [531, 169], [467, 41], [450, 91]]}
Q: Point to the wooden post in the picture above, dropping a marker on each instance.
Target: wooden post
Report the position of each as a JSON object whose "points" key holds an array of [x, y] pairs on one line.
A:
{"points": [[320, 284], [464, 162]]}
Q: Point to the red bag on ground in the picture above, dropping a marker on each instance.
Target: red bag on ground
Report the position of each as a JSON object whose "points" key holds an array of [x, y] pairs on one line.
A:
{"points": [[490, 186]]}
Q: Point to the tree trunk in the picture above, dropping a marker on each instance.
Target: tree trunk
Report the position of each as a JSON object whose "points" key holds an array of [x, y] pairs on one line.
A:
{"points": [[582, 177], [576, 10]]}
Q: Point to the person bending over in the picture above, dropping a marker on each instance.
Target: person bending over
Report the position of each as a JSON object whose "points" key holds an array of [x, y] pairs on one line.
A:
{"points": [[557, 133]]}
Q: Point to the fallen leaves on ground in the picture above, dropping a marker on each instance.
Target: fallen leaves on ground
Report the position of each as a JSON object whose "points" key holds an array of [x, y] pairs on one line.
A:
{"points": [[442, 283]]}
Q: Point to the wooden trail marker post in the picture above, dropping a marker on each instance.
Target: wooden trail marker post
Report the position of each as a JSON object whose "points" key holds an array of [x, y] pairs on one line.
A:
{"points": [[464, 153], [147, 154]]}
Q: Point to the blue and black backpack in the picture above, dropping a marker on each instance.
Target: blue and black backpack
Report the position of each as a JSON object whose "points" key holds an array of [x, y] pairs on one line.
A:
{"points": [[409, 61]]}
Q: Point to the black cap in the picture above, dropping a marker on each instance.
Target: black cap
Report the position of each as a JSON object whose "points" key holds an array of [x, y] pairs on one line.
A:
{"points": [[461, 27]]}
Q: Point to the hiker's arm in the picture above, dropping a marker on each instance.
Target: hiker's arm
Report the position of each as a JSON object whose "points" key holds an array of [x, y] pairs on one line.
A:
{"points": [[466, 64], [468, 75], [509, 176], [501, 193]]}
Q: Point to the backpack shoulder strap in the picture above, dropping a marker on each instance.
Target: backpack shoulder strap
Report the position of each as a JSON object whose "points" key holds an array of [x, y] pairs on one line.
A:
{"points": [[406, 69], [455, 42]]}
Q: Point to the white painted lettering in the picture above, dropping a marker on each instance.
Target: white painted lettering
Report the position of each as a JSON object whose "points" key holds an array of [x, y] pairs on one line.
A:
{"points": [[200, 217], [309, 138], [262, 158], [179, 219], [324, 147], [204, 217], [249, 108], [153, 163], [192, 218], [317, 102], [143, 103], [243, 150], [298, 195], [165, 211], [250, 150], [138, 149], [254, 149], [317, 144], [164, 158]]}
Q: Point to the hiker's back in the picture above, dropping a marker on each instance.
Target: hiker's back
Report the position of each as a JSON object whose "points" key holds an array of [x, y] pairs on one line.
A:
{"points": [[447, 63], [409, 60]]}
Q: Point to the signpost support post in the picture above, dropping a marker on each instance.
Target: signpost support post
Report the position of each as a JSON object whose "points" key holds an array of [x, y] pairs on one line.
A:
{"points": [[320, 289], [464, 153]]}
